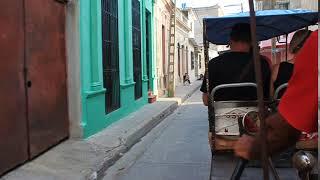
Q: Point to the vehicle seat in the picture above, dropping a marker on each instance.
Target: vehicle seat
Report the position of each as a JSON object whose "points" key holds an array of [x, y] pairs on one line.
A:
{"points": [[227, 111]]}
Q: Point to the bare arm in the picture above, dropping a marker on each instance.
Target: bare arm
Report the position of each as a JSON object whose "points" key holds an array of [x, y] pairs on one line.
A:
{"points": [[205, 99], [271, 88], [280, 137]]}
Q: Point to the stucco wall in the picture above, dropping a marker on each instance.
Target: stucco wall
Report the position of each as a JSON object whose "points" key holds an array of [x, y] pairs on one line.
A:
{"points": [[161, 18], [73, 57]]}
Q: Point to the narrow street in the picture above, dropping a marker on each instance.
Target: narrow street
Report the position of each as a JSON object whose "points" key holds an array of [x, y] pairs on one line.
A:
{"points": [[177, 149], [181, 150], [109, 89]]}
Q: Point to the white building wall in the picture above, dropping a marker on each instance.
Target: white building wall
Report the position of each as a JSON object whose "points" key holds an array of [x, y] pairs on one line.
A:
{"points": [[162, 18], [184, 33], [304, 4], [74, 69], [200, 13], [182, 41]]}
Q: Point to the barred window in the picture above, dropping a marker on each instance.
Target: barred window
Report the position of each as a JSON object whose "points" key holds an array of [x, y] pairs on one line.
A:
{"points": [[192, 60], [148, 46], [110, 54], [136, 43]]}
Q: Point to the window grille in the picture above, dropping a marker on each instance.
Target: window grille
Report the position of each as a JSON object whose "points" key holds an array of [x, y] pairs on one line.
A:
{"points": [[136, 43], [110, 54]]}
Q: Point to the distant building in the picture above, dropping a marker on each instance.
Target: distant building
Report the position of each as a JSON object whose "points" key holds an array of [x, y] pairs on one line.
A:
{"points": [[280, 51], [163, 10], [304, 4], [185, 58], [200, 13], [287, 4]]}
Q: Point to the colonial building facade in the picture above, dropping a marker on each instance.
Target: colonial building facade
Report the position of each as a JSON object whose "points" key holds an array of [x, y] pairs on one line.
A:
{"points": [[203, 12], [162, 10], [185, 59], [75, 68], [116, 60]]}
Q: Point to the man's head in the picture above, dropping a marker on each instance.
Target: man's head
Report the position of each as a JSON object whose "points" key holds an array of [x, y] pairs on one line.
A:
{"points": [[240, 37], [298, 39]]}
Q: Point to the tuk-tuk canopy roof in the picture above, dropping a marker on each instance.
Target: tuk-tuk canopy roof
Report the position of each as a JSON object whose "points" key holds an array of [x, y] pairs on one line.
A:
{"points": [[270, 23]]}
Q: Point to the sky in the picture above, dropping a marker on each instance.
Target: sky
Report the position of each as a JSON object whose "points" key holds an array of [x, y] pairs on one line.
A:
{"points": [[229, 6]]}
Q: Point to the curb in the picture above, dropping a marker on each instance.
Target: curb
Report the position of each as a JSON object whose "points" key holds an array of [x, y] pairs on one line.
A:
{"points": [[133, 139]]}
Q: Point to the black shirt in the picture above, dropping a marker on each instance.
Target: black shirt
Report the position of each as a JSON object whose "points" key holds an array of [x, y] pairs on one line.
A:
{"points": [[227, 68], [284, 74]]}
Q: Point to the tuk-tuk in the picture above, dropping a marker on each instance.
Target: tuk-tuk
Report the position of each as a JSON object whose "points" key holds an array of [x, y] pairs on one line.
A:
{"points": [[226, 118]]}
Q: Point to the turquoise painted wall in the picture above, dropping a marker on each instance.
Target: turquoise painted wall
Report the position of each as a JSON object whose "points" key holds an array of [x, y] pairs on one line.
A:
{"points": [[92, 91]]}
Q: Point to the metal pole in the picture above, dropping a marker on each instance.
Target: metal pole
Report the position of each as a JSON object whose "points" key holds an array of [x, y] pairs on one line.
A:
{"points": [[210, 109], [258, 74], [273, 170], [172, 44], [286, 47], [273, 40]]}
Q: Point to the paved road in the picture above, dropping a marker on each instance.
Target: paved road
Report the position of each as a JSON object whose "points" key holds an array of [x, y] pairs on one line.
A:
{"points": [[177, 149]]}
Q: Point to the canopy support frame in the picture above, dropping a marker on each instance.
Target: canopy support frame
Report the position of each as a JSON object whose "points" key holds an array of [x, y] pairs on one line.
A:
{"points": [[210, 105], [261, 107]]}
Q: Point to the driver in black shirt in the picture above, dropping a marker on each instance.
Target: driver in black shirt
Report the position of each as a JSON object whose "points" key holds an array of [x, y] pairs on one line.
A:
{"points": [[236, 66]]}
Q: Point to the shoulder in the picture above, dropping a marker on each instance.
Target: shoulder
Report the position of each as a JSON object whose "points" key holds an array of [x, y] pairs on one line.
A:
{"points": [[216, 60], [220, 58]]}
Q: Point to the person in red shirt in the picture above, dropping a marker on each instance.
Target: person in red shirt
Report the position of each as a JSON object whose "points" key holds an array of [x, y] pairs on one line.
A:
{"points": [[298, 107]]}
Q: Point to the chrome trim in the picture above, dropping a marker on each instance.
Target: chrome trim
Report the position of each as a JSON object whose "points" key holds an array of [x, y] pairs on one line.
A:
{"points": [[276, 94], [232, 85], [234, 104]]}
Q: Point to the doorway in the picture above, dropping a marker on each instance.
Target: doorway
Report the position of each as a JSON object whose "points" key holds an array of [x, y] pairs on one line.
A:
{"points": [[34, 108]]}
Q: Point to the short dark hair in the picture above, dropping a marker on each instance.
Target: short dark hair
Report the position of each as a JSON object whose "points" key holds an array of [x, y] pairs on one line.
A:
{"points": [[241, 33]]}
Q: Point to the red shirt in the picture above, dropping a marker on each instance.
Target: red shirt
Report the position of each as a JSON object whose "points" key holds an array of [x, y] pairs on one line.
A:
{"points": [[299, 104]]}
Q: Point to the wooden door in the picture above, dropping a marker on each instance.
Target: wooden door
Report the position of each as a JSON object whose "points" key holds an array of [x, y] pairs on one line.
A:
{"points": [[33, 91], [46, 75], [13, 123]]}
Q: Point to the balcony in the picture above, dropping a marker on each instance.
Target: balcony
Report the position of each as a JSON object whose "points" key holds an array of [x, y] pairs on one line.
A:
{"points": [[182, 19], [180, 16]]}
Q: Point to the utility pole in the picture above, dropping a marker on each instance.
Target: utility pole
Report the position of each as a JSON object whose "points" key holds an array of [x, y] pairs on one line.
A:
{"points": [[172, 49]]}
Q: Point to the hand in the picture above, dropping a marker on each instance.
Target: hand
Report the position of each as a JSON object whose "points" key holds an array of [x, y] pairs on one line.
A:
{"points": [[243, 147]]}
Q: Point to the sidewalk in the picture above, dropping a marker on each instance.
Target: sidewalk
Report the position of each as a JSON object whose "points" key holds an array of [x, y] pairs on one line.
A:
{"points": [[88, 159]]}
